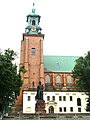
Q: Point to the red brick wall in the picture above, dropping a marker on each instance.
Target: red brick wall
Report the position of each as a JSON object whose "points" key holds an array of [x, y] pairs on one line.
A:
{"points": [[34, 64]]}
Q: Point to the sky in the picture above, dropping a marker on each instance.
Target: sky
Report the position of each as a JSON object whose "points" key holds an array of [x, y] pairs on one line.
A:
{"points": [[65, 23]]}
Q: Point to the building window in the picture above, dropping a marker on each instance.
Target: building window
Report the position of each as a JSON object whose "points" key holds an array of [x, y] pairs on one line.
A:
{"points": [[58, 79], [69, 79], [48, 98], [33, 22], [33, 84], [33, 51], [60, 98], [28, 109], [64, 109], [47, 79], [32, 93], [70, 98], [60, 109], [64, 98], [79, 109], [53, 98], [28, 98], [78, 102], [71, 109]]}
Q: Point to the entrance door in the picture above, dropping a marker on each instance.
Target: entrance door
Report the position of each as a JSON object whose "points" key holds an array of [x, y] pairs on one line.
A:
{"points": [[51, 109]]}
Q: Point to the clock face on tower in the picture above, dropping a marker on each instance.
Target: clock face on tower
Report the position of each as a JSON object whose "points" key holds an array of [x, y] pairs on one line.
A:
{"points": [[33, 29]]}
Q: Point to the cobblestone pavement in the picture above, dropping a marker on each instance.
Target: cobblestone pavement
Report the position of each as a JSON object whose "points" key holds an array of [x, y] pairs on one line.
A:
{"points": [[80, 117]]}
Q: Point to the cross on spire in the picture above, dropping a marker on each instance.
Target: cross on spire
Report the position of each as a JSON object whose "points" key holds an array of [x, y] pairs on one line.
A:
{"points": [[33, 10], [33, 4]]}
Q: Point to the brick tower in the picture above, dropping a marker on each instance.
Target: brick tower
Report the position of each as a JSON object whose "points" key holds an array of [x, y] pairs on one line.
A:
{"points": [[31, 56]]}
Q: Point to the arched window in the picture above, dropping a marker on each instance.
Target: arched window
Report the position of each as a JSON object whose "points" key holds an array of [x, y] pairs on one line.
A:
{"points": [[33, 22], [69, 79], [47, 79], [78, 102], [33, 84], [58, 79]]}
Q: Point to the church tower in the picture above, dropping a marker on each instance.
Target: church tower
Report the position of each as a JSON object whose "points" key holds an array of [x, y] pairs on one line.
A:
{"points": [[31, 54], [32, 51]]}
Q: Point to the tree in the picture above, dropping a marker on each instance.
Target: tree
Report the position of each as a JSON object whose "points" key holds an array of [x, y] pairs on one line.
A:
{"points": [[10, 80], [81, 72]]}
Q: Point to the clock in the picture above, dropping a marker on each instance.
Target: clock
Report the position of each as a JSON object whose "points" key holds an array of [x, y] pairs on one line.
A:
{"points": [[33, 29]]}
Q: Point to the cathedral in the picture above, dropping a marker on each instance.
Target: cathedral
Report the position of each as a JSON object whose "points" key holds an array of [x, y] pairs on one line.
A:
{"points": [[54, 72]]}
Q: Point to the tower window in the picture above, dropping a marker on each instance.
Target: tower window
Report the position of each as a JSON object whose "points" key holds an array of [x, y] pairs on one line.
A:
{"points": [[33, 51], [33, 22], [33, 84]]}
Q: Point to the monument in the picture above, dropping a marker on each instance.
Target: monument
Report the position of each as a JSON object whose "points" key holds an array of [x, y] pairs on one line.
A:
{"points": [[40, 103]]}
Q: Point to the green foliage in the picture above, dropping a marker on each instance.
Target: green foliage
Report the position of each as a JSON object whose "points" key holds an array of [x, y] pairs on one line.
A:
{"points": [[81, 72], [10, 80]]}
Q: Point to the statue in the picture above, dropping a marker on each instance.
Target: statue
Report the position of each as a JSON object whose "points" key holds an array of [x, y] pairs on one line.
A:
{"points": [[40, 103], [39, 95]]}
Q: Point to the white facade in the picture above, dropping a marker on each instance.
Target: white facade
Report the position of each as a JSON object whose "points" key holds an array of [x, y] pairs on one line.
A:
{"points": [[56, 102]]}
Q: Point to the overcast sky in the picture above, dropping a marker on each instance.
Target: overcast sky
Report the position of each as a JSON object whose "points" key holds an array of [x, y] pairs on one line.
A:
{"points": [[65, 23]]}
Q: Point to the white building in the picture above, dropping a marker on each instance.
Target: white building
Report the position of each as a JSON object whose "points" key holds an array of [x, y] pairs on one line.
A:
{"points": [[56, 102]]}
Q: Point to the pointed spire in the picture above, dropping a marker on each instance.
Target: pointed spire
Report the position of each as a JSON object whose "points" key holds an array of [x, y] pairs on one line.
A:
{"points": [[33, 9], [33, 4]]}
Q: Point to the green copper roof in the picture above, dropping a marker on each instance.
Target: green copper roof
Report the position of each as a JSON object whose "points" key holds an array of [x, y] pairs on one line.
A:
{"points": [[59, 63], [33, 10], [33, 21]]}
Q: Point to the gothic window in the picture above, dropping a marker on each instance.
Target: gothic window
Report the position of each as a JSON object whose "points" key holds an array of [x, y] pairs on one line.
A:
{"points": [[58, 79], [33, 22], [69, 79], [33, 51], [33, 84], [47, 79], [78, 102]]}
